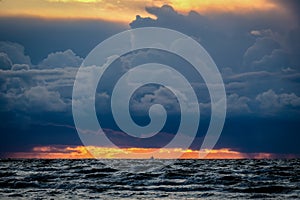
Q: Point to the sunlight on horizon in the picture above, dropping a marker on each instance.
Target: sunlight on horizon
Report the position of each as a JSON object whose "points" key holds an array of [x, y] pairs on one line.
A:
{"points": [[123, 11], [82, 152]]}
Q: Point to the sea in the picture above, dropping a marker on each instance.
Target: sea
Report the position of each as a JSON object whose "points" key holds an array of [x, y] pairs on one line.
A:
{"points": [[149, 179]]}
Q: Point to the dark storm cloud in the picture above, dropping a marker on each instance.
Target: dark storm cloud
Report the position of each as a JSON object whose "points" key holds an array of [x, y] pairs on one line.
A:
{"points": [[258, 55], [227, 37], [261, 134], [248, 49]]}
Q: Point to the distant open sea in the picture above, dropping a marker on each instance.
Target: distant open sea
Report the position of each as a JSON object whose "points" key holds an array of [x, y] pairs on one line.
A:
{"points": [[162, 179]]}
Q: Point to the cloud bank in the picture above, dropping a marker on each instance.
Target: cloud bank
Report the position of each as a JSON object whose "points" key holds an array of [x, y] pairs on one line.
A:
{"points": [[257, 54]]}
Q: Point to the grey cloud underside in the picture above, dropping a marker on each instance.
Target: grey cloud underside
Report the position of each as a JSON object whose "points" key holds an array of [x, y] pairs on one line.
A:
{"points": [[258, 59]]}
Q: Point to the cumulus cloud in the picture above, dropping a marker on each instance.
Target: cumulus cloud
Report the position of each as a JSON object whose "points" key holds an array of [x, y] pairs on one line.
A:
{"points": [[15, 52], [263, 46], [238, 104], [40, 99], [33, 90], [270, 51], [16, 67], [26, 91], [161, 95], [271, 101], [61, 59], [276, 60], [5, 62]]}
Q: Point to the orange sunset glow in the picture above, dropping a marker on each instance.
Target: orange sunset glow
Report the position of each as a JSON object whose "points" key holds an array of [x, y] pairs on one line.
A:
{"points": [[82, 152], [124, 11]]}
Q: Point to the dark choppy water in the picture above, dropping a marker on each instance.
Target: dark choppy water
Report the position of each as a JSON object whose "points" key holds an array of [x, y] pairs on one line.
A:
{"points": [[122, 179]]}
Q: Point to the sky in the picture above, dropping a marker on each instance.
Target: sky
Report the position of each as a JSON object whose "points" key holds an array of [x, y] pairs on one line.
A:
{"points": [[255, 45]]}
